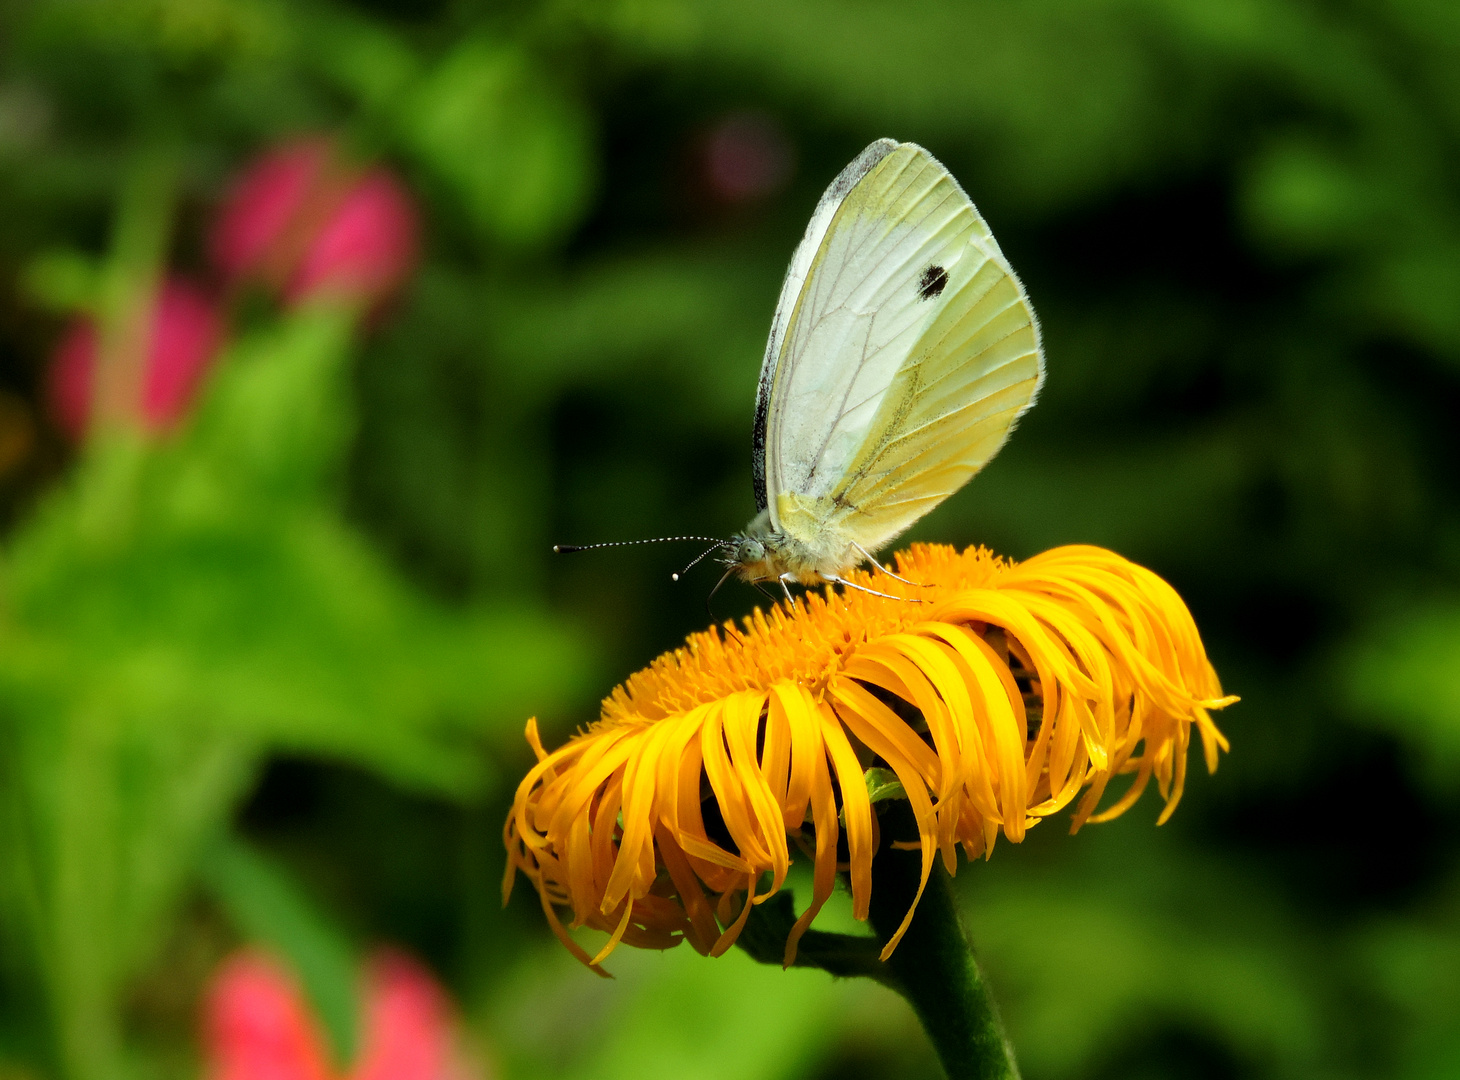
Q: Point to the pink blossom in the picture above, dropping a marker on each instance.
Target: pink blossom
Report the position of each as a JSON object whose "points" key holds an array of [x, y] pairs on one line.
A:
{"points": [[408, 1023], [257, 1025], [366, 248], [183, 339], [747, 158], [302, 222], [262, 206]]}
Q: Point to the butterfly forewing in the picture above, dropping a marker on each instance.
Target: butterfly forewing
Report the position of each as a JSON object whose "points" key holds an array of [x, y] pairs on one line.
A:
{"points": [[907, 355], [791, 288]]}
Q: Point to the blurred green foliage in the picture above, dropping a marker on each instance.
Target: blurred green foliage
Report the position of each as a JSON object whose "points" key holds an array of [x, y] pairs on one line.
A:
{"points": [[265, 678]]}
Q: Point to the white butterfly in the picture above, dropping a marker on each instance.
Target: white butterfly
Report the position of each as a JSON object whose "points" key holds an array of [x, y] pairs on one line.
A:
{"points": [[902, 352]]}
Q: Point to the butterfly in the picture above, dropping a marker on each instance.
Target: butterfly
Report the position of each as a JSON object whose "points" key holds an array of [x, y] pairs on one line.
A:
{"points": [[902, 352]]}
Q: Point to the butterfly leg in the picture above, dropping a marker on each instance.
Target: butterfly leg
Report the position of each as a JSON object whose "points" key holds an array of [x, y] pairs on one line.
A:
{"points": [[882, 569], [785, 588], [871, 592]]}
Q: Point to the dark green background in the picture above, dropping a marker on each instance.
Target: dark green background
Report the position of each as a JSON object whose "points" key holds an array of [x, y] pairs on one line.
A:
{"points": [[1240, 225]]}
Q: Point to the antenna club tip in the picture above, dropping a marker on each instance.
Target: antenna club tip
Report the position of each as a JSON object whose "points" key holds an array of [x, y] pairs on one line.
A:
{"points": [[557, 549], [673, 577]]}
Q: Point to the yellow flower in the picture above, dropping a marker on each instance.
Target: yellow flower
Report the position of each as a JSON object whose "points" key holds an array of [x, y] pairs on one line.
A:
{"points": [[994, 699]]}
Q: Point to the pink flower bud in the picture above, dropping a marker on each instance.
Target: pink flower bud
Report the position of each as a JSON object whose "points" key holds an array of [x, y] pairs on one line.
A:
{"points": [[746, 158], [409, 1033], [301, 222], [257, 1025], [184, 338], [367, 247], [265, 205]]}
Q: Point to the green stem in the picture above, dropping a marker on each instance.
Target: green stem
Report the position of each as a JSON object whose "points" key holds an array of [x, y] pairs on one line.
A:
{"points": [[128, 286], [932, 967], [842, 955], [84, 901], [933, 964]]}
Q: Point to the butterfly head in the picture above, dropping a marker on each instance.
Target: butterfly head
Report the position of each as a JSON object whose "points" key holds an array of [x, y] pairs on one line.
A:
{"points": [[746, 554], [765, 553]]}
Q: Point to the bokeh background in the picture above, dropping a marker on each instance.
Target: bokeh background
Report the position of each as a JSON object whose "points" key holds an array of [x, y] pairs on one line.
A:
{"points": [[266, 652]]}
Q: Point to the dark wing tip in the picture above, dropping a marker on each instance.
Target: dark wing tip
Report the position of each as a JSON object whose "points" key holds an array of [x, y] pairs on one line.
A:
{"points": [[859, 167]]}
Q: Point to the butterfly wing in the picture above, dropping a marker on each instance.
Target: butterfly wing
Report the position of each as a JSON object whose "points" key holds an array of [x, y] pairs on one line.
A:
{"points": [[902, 352]]}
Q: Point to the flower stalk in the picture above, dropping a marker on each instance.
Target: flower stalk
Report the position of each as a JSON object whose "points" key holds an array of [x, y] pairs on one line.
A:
{"points": [[933, 966]]}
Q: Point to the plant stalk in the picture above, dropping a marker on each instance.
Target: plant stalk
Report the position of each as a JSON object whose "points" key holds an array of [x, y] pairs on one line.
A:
{"points": [[933, 965]]}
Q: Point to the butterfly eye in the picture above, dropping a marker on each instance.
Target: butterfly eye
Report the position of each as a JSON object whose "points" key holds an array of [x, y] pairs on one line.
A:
{"points": [[932, 283]]}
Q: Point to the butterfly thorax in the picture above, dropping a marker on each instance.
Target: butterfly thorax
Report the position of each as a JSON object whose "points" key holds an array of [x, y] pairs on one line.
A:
{"points": [[765, 553]]}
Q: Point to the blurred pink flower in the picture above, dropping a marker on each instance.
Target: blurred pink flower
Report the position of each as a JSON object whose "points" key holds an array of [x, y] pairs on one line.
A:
{"points": [[184, 338], [409, 1032], [747, 157], [263, 204], [302, 222], [257, 1025]]}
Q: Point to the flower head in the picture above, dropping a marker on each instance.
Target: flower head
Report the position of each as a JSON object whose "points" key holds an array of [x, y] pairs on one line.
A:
{"points": [[366, 248], [258, 1025], [185, 334], [305, 223], [996, 698], [746, 157], [409, 1027]]}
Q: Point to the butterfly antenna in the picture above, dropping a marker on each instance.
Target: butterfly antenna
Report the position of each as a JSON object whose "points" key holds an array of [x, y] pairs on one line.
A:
{"points": [[719, 546], [564, 549]]}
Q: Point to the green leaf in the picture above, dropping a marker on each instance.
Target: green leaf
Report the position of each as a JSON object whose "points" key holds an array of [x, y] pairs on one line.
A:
{"points": [[269, 907], [63, 281], [1403, 676], [883, 784], [514, 146]]}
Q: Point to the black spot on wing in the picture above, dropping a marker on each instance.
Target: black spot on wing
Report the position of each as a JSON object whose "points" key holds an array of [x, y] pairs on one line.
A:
{"points": [[932, 283]]}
